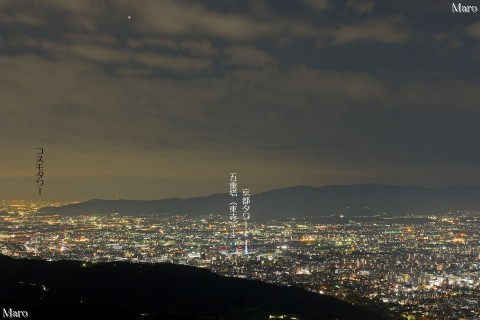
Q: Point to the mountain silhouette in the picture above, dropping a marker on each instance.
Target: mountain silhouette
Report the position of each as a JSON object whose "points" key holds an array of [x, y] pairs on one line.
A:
{"points": [[300, 201]]}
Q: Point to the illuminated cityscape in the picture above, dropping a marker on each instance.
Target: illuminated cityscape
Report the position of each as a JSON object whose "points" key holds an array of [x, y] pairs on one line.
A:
{"points": [[353, 125], [424, 267]]}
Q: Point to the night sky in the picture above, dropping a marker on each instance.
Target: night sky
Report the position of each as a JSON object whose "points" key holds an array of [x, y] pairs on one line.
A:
{"points": [[295, 92]]}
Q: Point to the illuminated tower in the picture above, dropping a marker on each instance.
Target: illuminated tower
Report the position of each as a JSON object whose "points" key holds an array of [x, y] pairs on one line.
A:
{"points": [[246, 239], [246, 215]]}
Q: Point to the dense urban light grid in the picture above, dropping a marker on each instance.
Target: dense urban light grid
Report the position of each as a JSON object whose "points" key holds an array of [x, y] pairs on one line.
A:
{"points": [[415, 265]]}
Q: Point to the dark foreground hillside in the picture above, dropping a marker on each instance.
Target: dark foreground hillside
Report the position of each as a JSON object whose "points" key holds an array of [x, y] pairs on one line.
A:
{"points": [[77, 290]]}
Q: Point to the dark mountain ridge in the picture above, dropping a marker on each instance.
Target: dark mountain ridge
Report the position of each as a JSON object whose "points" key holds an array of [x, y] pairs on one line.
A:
{"points": [[79, 290], [299, 201]]}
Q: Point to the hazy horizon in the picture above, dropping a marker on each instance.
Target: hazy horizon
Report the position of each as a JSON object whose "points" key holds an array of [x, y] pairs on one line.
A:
{"points": [[165, 196]]}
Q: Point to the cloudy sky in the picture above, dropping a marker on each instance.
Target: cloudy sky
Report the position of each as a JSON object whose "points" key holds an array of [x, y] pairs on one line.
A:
{"points": [[295, 92]]}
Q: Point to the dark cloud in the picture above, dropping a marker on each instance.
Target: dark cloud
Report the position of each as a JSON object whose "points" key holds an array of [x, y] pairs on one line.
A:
{"points": [[199, 47], [247, 56], [318, 5], [390, 30], [291, 92], [361, 6], [473, 30]]}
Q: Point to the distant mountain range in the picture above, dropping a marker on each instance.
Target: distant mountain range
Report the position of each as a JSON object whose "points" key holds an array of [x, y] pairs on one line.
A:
{"points": [[300, 201], [81, 290]]}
